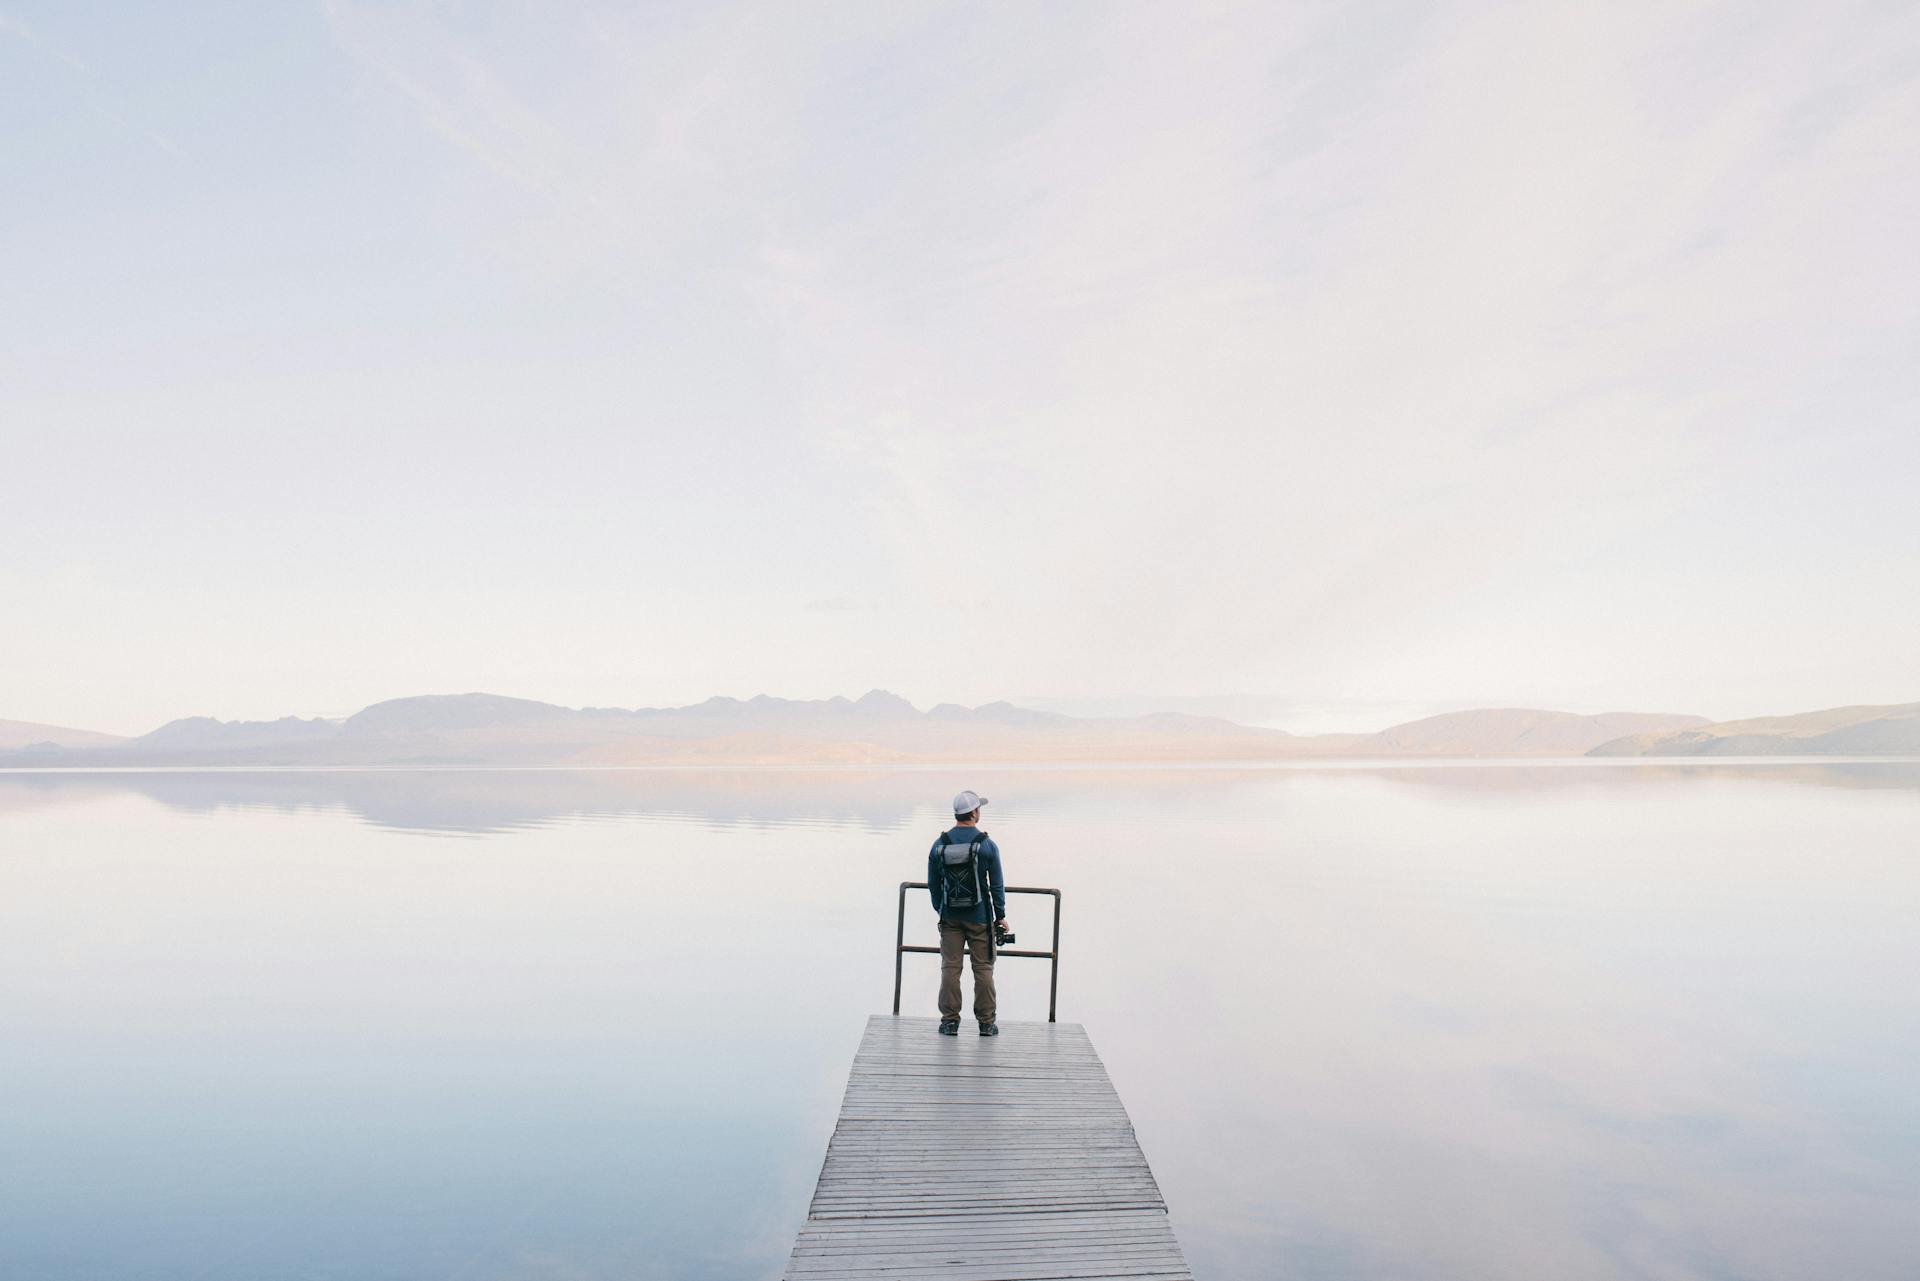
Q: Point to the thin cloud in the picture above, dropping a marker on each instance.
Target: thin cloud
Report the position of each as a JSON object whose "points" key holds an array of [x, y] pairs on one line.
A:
{"points": [[88, 86]]}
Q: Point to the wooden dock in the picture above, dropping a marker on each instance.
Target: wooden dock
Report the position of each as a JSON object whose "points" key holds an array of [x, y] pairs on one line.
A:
{"points": [[971, 1158]]}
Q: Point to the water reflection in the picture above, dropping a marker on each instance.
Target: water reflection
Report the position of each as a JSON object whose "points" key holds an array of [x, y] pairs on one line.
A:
{"points": [[478, 802], [1503, 1021]]}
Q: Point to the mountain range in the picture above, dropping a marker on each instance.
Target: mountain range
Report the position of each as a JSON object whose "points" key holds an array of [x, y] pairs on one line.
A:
{"points": [[1891, 730], [879, 727]]}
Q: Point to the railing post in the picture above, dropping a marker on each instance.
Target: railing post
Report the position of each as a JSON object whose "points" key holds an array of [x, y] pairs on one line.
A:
{"points": [[1053, 982], [899, 938]]}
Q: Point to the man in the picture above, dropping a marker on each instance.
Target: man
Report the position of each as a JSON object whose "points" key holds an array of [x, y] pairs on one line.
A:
{"points": [[963, 875]]}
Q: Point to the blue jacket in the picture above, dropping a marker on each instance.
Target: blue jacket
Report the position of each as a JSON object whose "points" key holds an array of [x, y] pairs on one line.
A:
{"points": [[989, 861]]}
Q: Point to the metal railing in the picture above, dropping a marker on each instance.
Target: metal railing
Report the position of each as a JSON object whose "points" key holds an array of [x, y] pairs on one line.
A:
{"points": [[901, 947]]}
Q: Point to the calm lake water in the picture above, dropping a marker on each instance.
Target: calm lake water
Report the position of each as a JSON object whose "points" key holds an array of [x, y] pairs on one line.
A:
{"points": [[1445, 1022]]}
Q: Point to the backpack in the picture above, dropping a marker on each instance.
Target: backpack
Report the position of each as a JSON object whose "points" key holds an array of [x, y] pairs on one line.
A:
{"points": [[960, 871]]}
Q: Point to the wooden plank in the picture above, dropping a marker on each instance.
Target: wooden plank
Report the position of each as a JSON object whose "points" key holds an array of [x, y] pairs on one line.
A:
{"points": [[967, 1158]]}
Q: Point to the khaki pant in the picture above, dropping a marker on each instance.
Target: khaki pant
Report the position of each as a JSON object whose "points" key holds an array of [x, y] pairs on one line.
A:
{"points": [[956, 936]]}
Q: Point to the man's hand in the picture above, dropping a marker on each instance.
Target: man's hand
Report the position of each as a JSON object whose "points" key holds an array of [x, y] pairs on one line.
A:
{"points": [[1002, 922]]}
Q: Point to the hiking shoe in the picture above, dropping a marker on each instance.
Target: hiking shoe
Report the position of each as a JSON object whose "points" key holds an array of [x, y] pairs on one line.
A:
{"points": [[949, 1027], [989, 1029]]}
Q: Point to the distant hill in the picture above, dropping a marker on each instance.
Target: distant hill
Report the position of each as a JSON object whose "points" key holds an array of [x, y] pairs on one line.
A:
{"points": [[204, 733], [1890, 730], [27, 735], [1517, 731], [443, 713]]}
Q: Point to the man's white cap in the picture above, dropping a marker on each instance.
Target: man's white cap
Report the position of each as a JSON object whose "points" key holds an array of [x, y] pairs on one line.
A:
{"points": [[968, 802]]}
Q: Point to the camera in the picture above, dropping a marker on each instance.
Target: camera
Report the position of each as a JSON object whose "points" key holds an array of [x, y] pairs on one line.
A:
{"points": [[1002, 936]]}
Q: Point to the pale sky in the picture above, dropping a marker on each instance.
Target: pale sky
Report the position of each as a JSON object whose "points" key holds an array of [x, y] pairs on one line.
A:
{"points": [[1346, 356]]}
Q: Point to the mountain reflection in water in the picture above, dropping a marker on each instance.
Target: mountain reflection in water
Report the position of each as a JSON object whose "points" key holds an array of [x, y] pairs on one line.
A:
{"points": [[500, 800]]}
